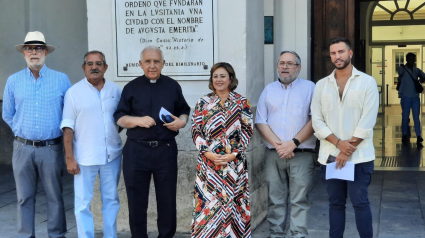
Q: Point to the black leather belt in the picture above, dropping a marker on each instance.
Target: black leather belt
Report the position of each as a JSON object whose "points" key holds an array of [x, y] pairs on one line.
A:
{"points": [[304, 150], [150, 143], [39, 143], [296, 150]]}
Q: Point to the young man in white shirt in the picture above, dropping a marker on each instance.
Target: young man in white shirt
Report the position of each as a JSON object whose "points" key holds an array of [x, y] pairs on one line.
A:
{"points": [[93, 145], [344, 110], [283, 120]]}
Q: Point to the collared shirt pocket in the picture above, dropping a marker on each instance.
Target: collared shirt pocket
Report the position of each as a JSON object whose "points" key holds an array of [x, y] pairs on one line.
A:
{"points": [[327, 102], [355, 98]]}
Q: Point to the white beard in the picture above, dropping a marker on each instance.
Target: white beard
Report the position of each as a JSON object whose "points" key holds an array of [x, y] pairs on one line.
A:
{"points": [[38, 65]]}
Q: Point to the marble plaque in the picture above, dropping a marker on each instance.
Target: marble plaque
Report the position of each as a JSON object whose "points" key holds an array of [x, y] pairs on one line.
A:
{"points": [[183, 29]]}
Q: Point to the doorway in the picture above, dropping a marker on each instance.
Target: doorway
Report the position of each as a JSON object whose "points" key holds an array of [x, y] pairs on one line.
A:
{"points": [[390, 30], [385, 61]]}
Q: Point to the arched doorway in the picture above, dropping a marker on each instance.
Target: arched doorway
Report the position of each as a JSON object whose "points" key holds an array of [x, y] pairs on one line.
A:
{"points": [[392, 29]]}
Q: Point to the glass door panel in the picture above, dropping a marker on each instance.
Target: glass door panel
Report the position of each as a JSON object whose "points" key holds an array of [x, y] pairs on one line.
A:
{"points": [[377, 67], [420, 63], [378, 72]]}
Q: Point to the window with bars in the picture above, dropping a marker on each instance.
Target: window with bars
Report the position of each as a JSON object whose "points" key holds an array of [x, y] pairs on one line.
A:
{"points": [[399, 60], [399, 10]]}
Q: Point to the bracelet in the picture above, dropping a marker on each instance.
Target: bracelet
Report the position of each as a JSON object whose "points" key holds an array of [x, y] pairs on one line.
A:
{"points": [[337, 143]]}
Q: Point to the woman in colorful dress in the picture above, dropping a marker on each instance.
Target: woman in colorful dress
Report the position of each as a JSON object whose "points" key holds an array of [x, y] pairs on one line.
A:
{"points": [[221, 131]]}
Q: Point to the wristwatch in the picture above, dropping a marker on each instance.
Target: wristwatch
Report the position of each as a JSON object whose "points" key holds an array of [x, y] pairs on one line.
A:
{"points": [[236, 154], [297, 142]]}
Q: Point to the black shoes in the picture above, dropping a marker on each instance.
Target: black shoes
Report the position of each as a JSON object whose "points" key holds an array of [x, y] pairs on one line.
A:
{"points": [[419, 142], [406, 140]]}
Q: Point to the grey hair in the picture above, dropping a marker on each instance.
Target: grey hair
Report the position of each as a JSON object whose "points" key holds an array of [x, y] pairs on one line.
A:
{"points": [[95, 52], [152, 47], [297, 57]]}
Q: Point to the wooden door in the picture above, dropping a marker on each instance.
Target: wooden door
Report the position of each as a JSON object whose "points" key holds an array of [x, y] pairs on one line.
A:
{"points": [[331, 18]]}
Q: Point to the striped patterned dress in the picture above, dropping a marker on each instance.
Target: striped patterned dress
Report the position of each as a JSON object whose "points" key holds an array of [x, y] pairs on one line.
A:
{"points": [[221, 199]]}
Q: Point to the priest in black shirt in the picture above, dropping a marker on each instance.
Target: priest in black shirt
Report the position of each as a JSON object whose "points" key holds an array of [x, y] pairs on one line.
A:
{"points": [[151, 147]]}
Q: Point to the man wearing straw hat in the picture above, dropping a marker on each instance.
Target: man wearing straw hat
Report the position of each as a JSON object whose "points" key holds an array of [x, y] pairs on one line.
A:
{"points": [[32, 107]]}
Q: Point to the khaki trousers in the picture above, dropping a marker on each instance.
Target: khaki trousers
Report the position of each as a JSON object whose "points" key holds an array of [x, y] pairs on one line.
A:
{"points": [[289, 184]]}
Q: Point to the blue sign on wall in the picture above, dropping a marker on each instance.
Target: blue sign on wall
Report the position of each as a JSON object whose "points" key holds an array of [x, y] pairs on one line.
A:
{"points": [[268, 30]]}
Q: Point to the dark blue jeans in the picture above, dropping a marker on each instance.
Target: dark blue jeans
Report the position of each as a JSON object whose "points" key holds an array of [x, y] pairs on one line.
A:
{"points": [[408, 103], [357, 189]]}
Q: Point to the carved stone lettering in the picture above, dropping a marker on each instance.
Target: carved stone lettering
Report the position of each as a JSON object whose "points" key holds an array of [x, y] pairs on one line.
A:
{"points": [[183, 29]]}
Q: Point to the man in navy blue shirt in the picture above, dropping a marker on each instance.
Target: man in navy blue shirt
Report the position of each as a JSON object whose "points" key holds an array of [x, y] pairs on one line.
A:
{"points": [[32, 107], [409, 98], [151, 147]]}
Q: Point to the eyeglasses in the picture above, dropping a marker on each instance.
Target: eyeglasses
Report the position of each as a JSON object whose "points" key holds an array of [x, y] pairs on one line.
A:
{"points": [[288, 64], [37, 49], [90, 63]]}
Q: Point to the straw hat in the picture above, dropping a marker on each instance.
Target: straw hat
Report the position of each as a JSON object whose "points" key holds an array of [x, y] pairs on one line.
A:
{"points": [[35, 38]]}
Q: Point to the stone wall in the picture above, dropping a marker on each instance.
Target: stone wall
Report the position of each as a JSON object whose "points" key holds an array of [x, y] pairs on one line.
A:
{"points": [[257, 185], [64, 25]]}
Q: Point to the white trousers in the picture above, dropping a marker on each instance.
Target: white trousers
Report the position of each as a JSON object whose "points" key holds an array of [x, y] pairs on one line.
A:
{"points": [[83, 186]]}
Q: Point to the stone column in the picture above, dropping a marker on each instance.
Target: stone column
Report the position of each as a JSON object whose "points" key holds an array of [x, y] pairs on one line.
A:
{"points": [[292, 31]]}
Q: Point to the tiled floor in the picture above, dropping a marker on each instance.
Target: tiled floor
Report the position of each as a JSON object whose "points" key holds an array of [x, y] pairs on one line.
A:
{"points": [[397, 199], [391, 154]]}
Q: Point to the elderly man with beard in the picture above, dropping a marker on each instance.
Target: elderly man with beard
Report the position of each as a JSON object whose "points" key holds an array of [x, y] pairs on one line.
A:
{"points": [[344, 109], [93, 145], [32, 107], [283, 120]]}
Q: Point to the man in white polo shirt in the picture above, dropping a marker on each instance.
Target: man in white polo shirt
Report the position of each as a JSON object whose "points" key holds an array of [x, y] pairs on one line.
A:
{"points": [[92, 144]]}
